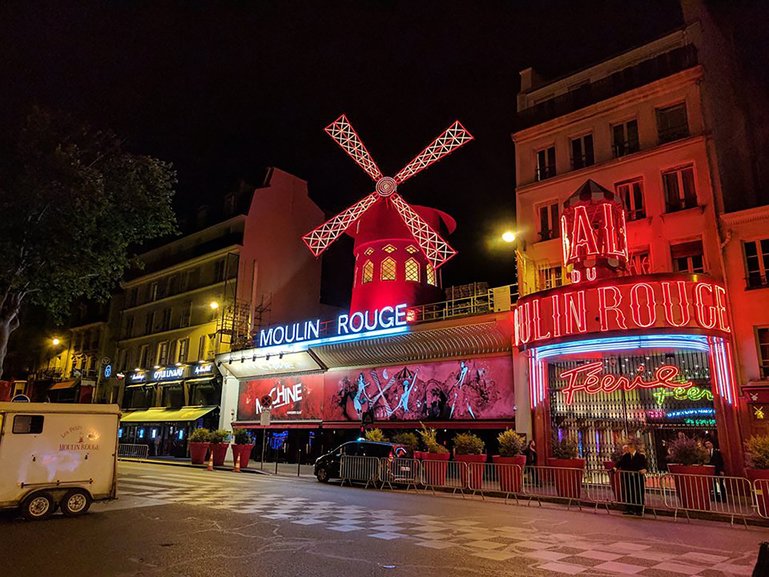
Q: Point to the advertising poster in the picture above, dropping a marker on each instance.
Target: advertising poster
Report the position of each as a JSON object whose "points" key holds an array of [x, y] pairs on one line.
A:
{"points": [[293, 397]]}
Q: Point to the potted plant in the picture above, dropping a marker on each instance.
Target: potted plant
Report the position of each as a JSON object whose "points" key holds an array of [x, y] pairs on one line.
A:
{"points": [[242, 447], [470, 449], [408, 440], [219, 446], [511, 460], [199, 442], [571, 470], [757, 458], [376, 436], [434, 458], [686, 461]]}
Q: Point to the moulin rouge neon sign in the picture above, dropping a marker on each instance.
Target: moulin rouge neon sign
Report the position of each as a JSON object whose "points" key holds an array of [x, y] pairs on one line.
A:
{"points": [[590, 379]]}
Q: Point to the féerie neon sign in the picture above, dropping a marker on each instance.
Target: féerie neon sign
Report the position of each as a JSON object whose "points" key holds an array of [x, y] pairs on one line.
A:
{"points": [[588, 378]]}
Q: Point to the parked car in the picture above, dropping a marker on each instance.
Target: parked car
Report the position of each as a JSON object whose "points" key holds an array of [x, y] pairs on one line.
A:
{"points": [[327, 466]]}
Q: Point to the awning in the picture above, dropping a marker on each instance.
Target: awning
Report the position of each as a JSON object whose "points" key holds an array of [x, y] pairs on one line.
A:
{"points": [[139, 385], [163, 415], [169, 383], [199, 380], [64, 385]]}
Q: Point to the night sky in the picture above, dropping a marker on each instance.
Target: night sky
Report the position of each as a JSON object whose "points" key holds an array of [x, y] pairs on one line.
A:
{"points": [[223, 89]]}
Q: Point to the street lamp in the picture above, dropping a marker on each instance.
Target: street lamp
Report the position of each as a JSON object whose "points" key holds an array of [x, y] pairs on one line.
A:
{"points": [[213, 305], [508, 236], [55, 341]]}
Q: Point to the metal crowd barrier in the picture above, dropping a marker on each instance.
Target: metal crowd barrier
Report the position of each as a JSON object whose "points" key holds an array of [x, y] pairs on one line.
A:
{"points": [[131, 451], [761, 497], [399, 471], [354, 469], [443, 475], [732, 496]]}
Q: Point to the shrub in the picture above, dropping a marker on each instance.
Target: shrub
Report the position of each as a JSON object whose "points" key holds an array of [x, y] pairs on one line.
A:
{"points": [[510, 443], [565, 449], [219, 436], [757, 451], [469, 444], [200, 436], [241, 437], [376, 435], [408, 440], [686, 451], [430, 441]]}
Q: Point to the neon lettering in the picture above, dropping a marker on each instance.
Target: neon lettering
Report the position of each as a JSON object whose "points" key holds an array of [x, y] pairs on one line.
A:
{"points": [[575, 312], [636, 302], [538, 322], [604, 307], [701, 307], [684, 314]]}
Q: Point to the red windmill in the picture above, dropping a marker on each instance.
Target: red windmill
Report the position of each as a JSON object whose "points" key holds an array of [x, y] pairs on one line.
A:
{"points": [[397, 249]]}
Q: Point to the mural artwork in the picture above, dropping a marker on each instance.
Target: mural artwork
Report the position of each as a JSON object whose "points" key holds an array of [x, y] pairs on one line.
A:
{"points": [[298, 397]]}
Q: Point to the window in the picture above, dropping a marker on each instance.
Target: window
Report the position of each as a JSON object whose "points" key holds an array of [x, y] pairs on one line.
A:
{"points": [[121, 360], [548, 221], [193, 279], [368, 272], [172, 396], [625, 138], [183, 350], [756, 262], [219, 270], [762, 335], [412, 270], [388, 269], [128, 327], [389, 249], [369, 251], [687, 257], [582, 151], [672, 123], [173, 285], [546, 163], [679, 188], [28, 424], [154, 291], [203, 347], [186, 315], [430, 274], [143, 356], [550, 277], [639, 263], [131, 297], [163, 353], [411, 249], [632, 194], [166, 321]]}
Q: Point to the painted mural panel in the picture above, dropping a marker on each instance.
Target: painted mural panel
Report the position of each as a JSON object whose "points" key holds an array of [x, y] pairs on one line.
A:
{"points": [[293, 397], [468, 389]]}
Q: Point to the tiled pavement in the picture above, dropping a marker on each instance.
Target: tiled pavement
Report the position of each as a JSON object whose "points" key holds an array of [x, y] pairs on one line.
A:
{"points": [[556, 553]]}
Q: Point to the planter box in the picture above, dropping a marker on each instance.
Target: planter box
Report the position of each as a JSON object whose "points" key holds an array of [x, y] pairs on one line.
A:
{"points": [[245, 454], [434, 467], [198, 452], [693, 492], [568, 482], [472, 473], [761, 489], [219, 451], [510, 476]]}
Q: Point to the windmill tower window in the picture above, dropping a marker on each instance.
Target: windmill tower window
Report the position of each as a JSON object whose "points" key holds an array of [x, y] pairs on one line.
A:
{"points": [[388, 269], [430, 273], [412, 270], [411, 249], [369, 251], [389, 249], [368, 272]]}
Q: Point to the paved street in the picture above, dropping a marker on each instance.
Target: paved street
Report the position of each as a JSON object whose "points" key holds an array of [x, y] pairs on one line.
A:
{"points": [[175, 521]]}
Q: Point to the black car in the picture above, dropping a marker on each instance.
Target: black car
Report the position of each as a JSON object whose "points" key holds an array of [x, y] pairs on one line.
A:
{"points": [[327, 466]]}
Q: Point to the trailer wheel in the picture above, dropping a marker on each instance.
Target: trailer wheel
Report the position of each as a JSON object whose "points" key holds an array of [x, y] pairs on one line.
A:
{"points": [[38, 506], [76, 502]]}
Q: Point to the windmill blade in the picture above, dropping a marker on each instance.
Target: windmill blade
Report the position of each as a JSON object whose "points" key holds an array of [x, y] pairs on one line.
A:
{"points": [[451, 139], [318, 239], [435, 248], [345, 136]]}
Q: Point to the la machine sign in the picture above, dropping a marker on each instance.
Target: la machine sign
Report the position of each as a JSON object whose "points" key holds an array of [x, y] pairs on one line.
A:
{"points": [[358, 323]]}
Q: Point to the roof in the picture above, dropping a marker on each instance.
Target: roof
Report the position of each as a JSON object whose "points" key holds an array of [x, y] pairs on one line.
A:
{"points": [[72, 408], [163, 415]]}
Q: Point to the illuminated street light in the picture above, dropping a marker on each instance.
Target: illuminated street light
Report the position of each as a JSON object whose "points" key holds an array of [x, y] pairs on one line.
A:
{"points": [[508, 236], [214, 305], [56, 341]]}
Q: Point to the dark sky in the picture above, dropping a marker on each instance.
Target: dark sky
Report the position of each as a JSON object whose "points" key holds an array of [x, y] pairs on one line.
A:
{"points": [[223, 89]]}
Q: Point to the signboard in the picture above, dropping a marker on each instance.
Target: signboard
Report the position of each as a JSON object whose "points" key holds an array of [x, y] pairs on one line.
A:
{"points": [[292, 397], [264, 418], [638, 303]]}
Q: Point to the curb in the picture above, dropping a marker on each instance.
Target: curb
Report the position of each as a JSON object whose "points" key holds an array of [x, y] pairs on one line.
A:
{"points": [[189, 465]]}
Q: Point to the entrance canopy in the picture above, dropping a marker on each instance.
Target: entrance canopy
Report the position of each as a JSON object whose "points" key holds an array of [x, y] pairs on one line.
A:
{"points": [[163, 415]]}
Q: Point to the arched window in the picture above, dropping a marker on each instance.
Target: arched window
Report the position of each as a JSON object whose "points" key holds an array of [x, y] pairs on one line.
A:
{"points": [[430, 272], [388, 269], [412, 270], [368, 272]]}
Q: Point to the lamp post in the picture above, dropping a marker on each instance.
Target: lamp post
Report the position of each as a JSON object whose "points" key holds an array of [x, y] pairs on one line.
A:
{"points": [[512, 238]]}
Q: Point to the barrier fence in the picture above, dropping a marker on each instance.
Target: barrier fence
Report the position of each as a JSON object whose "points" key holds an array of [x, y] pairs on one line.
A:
{"points": [[640, 494], [127, 450]]}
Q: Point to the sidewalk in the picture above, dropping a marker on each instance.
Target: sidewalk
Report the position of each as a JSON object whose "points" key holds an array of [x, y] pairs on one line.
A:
{"points": [[268, 468]]}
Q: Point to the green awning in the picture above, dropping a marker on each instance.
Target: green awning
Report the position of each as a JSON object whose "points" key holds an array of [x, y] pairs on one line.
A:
{"points": [[163, 415]]}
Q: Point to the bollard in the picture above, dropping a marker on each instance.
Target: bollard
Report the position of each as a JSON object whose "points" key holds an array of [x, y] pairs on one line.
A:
{"points": [[211, 462], [276, 464], [762, 564], [299, 464], [236, 468]]}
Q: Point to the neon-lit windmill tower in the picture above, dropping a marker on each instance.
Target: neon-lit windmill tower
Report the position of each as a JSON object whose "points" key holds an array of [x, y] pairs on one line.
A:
{"points": [[398, 252]]}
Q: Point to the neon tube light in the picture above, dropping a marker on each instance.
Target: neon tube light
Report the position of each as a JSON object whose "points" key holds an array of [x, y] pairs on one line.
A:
{"points": [[688, 342]]}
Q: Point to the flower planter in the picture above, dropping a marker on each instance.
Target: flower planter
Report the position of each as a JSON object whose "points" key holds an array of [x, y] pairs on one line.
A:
{"points": [[219, 451], [198, 452], [614, 480], [510, 477], [434, 468], [245, 454], [568, 481], [761, 488], [693, 492], [472, 473]]}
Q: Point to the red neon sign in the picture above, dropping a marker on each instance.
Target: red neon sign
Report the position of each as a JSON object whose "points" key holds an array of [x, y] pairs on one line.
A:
{"points": [[588, 378], [663, 301]]}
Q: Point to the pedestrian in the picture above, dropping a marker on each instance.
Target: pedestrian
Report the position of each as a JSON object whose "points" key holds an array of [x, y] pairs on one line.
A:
{"points": [[531, 461], [632, 467], [716, 459]]}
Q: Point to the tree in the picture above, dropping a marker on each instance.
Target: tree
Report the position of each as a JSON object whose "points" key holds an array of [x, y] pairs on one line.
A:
{"points": [[73, 204]]}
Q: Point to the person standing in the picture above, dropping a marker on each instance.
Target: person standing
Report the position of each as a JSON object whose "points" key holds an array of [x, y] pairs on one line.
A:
{"points": [[632, 466], [530, 453], [716, 459]]}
